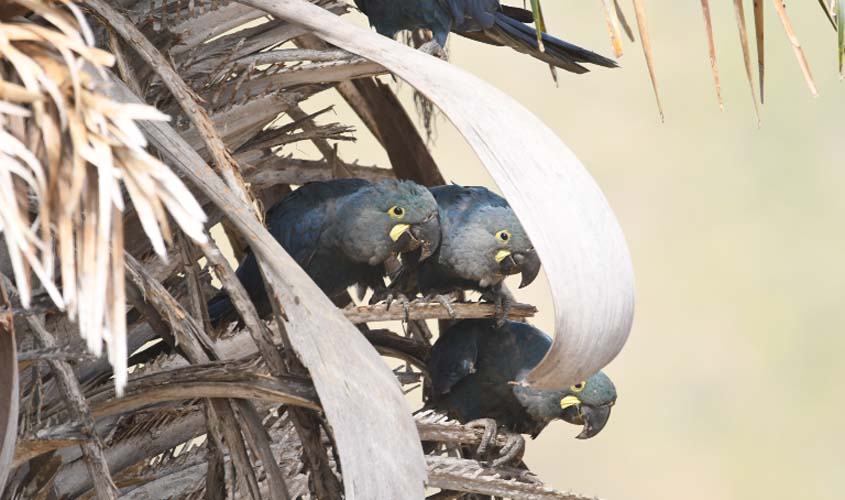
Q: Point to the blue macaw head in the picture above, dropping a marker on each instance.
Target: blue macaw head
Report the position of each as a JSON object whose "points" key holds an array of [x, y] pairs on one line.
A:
{"points": [[586, 403], [388, 218], [490, 244]]}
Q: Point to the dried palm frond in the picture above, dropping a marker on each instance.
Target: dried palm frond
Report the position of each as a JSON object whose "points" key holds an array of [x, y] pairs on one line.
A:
{"points": [[69, 156], [614, 18], [746, 54], [237, 83], [613, 26]]}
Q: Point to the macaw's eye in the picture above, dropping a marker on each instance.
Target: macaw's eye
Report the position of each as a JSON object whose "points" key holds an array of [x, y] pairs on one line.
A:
{"points": [[579, 386], [396, 212], [504, 235]]}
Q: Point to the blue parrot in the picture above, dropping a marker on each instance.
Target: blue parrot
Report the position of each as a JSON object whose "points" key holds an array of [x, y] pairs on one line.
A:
{"points": [[341, 232], [482, 242], [486, 21], [473, 368]]}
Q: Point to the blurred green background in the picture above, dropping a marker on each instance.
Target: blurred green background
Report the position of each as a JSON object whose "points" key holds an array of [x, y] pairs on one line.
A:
{"points": [[730, 383]]}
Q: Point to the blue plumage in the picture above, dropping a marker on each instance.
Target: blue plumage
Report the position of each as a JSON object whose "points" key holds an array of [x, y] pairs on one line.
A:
{"points": [[341, 232], [472, 367], [482, 242], [483, 20]]}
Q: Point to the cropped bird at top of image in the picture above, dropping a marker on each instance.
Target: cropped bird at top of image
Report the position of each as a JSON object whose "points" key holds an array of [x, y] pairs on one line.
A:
{"points": [[487, 21]]}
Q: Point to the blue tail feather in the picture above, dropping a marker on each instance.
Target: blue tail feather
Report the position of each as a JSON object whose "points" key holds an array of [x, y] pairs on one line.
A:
{"points": [[219, 308], [566, 53]]}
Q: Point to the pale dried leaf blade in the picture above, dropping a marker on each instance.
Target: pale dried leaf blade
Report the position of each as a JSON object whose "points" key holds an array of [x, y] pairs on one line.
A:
{"points": [[85, 146], [642, 26], [796, 47], [759, 28], [840, 18], [746, 54], [459, 474], [711, 46], [613, 26], [623, 20], [585, 257], [184, 95], [8, 395]]}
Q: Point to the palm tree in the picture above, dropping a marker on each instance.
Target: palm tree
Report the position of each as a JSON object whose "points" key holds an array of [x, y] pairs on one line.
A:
{"points": [[93, 177]]}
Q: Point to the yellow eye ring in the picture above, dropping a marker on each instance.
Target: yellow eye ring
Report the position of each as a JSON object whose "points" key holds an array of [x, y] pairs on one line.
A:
{"points": [[579, 386], [396, 212], [503, 236]]}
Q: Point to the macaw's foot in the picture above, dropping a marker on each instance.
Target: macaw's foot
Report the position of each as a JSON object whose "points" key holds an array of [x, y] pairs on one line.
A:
{"points": [[401, 299], [490, 428], [433, 48], [512, 451], [390, 297], [504, 303], [445, 300]]}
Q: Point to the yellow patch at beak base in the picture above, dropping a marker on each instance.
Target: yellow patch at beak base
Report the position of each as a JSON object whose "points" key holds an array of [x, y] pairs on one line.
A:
{"points": [[397, 231], [502, 255], [569, 401]]}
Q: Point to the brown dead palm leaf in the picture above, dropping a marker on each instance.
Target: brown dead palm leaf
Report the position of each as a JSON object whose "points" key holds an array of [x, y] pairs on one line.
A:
{"points": [[746, 54], [71, 161], [613, 26]]}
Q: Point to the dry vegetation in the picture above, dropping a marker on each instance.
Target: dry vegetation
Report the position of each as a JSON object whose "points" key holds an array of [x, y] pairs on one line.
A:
{"points": [[88, 212], [233, 414]]}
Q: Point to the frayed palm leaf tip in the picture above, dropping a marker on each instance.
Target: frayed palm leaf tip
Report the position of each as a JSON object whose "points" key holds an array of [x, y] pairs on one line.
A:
{"points": [[67, 150]]}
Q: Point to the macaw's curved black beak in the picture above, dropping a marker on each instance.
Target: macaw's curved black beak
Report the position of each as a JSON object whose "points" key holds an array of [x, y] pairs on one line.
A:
{"points": [[527, 263], [593, 418], [428, 234], [425, 236]]}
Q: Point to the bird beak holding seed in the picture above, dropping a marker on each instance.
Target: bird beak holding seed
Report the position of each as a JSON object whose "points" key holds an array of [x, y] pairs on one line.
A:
{"points": [[406, 242], [428, 232], [425, 235], [528, 263]]}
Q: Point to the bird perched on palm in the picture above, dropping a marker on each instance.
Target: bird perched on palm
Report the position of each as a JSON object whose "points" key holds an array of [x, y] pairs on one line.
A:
{"points": [[482, 242], [486, 21], [475, 369], [341, 232]]}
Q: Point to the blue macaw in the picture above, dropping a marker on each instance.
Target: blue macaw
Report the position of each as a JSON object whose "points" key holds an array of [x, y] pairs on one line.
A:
{"points": [[486, 21], [473, 367], [341, 232], [482, 242]]}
